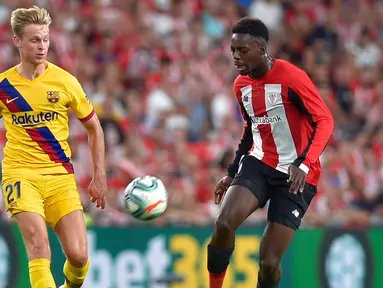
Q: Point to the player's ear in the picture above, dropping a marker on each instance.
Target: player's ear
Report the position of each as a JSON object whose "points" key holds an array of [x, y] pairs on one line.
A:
{"points": [[263, 49], [16, 41]]}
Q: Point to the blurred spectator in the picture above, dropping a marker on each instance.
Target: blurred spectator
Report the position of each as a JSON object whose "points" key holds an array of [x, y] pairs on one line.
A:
{"points": [[270, 12]]}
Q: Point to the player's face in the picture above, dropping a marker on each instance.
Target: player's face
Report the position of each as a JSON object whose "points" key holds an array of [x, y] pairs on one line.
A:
{"points": [[33, 44], [247, 53]]}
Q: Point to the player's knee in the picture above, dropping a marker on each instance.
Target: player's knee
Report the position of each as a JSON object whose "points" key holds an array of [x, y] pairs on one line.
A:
{"points": [[223, 227], [270, 268], [37, 246], [78, 254], [269, 260], [35, 235]]}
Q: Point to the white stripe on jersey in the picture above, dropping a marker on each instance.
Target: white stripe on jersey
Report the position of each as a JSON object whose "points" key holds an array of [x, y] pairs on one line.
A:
{"points": [[283, 138], [247, 100]]}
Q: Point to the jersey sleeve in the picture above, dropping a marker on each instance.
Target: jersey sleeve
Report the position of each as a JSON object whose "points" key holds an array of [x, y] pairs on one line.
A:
{"points": [[303, 93], [247, 136], [80, 103]]}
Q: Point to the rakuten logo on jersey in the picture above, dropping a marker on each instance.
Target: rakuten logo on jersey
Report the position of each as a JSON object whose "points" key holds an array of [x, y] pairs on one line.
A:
{"points": [[266, 120], [29, 119]]}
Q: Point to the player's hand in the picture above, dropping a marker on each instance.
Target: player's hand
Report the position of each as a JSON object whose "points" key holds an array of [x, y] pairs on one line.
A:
{"points": [[97, 190], [297, 179], [221, 188]]}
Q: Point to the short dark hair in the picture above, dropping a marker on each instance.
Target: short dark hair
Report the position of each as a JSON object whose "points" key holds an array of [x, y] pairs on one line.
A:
{"points": [[252, 26]]}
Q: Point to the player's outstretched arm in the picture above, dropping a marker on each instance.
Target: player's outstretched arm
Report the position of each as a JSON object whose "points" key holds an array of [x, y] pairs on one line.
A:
{"points": [[98, 187]]}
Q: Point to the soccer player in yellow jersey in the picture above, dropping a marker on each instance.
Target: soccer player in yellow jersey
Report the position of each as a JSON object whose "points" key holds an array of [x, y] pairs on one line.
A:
{"points": [[38, 179]]}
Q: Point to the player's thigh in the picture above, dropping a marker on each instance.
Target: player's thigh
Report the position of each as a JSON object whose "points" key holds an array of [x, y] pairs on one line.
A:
{"points": [[288, 208], [35, 235], [61, 198], [252, 175], [285, 214], [64, 213], [246, 194], [237, 205], [23, 193]]}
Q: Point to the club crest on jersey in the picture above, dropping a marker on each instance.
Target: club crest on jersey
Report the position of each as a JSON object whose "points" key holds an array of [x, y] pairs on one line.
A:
{"points": [[273, 97], [53, 96]]}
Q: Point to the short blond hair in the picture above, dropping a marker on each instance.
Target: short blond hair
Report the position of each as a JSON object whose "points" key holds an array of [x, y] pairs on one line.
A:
{"points": [[22, 17]]}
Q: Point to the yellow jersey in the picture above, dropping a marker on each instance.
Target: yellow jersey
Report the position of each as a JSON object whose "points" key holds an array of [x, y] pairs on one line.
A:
{"points": [[36, 120]]}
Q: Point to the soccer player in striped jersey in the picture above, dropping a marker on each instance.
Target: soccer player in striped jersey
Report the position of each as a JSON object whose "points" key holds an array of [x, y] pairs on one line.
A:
{"points": [[38, 182], [287, 126]]}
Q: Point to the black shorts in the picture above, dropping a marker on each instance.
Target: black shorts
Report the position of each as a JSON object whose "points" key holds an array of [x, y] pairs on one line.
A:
{"points": [[267, 183]]}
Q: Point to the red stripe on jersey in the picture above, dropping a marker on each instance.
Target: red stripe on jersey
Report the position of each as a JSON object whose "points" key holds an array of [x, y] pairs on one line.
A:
{"points": [[68, 167], [269, 148], [87, 117], [47, 148]]}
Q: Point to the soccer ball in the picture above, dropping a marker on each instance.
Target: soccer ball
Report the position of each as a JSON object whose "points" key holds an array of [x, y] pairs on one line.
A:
{"points": [[146, 198]]}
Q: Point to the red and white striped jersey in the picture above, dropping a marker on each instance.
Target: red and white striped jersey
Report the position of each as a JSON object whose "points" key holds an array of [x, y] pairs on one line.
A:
{"points": [[287, 121]]}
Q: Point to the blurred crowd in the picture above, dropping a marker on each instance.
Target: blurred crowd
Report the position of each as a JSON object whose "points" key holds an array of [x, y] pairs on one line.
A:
{"points": [[160, 74]]}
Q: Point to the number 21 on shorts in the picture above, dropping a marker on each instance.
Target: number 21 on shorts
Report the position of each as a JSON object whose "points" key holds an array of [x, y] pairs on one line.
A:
{"points": [[12, 191]]}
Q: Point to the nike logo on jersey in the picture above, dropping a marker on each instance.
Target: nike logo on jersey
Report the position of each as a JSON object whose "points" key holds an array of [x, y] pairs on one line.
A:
{"points": [[11, 100]]}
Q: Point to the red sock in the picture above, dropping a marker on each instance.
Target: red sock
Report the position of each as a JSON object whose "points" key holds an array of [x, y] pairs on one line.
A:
{"points": [[216, 280]]}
